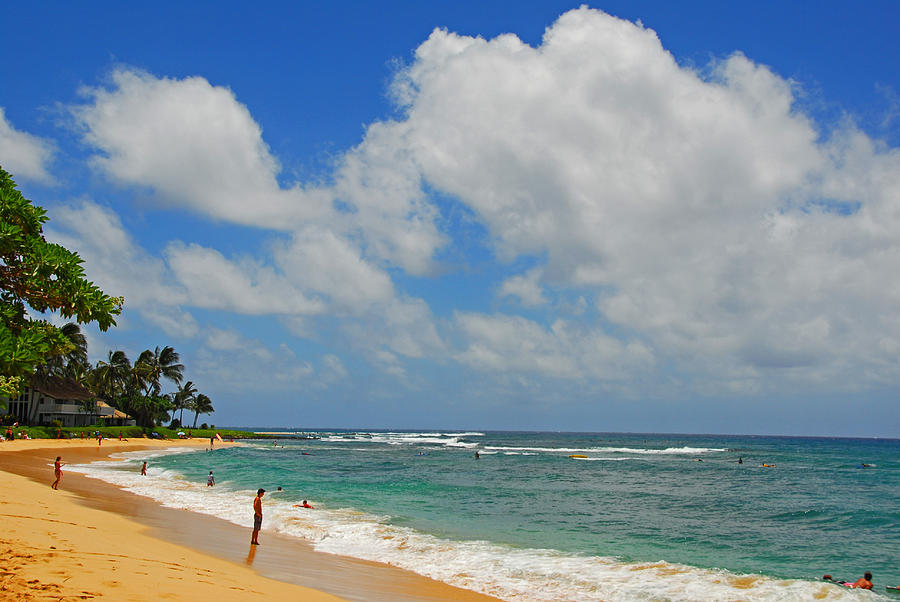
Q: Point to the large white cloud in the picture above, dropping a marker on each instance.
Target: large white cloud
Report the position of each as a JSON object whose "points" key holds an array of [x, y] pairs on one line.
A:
{"points": [[194, 144], [310, 277], [700, 213], [22, 154], [705, 213], [244, 286], [113, 259], [199, 148], [332, 266]]}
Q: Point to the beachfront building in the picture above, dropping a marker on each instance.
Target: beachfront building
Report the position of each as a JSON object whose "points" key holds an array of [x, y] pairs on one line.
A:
{"points": [[54, 398]]}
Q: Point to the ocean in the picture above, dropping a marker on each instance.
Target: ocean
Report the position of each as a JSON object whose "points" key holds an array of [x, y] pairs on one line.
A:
{"points": [[638, 517]]}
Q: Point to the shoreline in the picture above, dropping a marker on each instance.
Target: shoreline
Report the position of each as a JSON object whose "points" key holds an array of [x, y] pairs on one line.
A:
{"points": [[215, 555]]}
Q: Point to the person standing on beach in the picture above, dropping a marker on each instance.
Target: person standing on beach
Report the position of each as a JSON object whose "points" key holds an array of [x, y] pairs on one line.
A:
{"points": [[210, 480], [144, 470], [57, 471], [257, 516]]}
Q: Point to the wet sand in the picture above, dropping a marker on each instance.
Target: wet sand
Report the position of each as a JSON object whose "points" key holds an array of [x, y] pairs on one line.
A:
{"points": [[92, 539]]}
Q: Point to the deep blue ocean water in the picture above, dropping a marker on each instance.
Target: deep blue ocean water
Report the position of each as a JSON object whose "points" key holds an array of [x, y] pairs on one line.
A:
{"points": [[639, 517]]}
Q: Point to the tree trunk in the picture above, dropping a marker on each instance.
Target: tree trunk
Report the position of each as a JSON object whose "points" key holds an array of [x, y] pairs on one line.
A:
{"points": [[195, 418]]}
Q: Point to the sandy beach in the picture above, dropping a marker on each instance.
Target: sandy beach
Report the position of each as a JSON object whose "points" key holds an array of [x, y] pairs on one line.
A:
{"points": [[90, 539]]}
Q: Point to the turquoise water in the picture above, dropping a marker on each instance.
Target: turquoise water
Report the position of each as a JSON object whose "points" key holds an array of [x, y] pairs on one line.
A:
{"points": [[526, 521]]}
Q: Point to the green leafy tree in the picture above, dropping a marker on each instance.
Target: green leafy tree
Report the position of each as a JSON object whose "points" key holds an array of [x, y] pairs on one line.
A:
{"points": [[147, 410], [202, 405], [44, 277]]}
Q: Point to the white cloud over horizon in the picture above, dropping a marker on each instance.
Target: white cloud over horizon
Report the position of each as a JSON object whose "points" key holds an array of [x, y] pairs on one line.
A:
{"points": [[715, 228]]}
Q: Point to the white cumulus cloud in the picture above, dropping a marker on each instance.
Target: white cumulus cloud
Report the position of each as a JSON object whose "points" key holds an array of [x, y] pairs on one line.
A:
{"points": [[22, 154], [700, 211], [564, 350], [710, 225], [194, 144], [525, 287]]}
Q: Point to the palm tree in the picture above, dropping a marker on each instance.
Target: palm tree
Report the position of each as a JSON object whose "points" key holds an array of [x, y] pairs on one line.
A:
{"points": [[77, 372], [202, 405], [76, 356], [110, 377], [79, 353], [88, 407], [152, 366], [183, 398]]}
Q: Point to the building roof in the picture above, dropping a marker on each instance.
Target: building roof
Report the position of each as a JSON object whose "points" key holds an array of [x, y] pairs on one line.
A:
{"points": [[63, 389], [60, 388]]}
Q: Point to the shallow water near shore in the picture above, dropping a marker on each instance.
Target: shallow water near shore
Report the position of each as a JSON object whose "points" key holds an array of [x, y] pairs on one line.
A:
{"points": [[640, 517]]}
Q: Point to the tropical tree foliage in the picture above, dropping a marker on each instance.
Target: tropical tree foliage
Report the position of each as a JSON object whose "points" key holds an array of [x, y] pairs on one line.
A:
{"points": [[40, 276], [183, 399], [110, 377], [136, 388], [202, 405], [71, 364], [152, 366], [88, 406]]}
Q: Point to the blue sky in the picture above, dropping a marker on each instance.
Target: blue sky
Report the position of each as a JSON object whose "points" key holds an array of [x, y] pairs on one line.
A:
{"points": [[624, 216]]}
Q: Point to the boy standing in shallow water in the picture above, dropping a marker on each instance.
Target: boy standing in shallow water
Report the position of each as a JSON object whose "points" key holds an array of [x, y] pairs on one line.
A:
{"points": [[210, 480], [257, 516]]}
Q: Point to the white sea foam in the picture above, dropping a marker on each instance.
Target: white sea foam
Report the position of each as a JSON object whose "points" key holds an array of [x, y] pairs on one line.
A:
{"points": [[604, 459], [444, 439], [520, 575], [613, 450]]}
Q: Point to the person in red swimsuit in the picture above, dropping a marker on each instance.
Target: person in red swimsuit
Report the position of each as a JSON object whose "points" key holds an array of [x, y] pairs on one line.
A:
{"points": [[864, 582], [57, 471]]}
